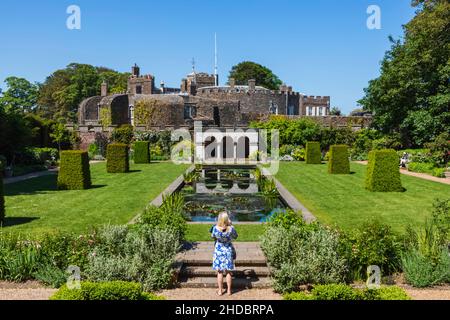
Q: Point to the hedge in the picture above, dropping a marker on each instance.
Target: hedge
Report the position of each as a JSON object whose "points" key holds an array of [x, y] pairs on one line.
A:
{"points": [[346, 292], [111, 290], [142, 152], [117, 158], [313, 153], [383, 173], [2, 200], [338, 162], [74, 172]]}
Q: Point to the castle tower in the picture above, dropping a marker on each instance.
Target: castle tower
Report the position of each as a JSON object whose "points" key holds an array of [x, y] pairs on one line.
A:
{"points": [[104, 89]]}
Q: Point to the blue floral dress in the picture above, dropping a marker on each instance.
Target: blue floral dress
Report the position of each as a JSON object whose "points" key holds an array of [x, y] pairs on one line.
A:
{"points": [[223, 251]]}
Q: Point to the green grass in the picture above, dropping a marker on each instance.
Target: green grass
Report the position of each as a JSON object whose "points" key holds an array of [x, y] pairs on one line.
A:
{"points": [[35, 206], [246, 232], [343, 201]]}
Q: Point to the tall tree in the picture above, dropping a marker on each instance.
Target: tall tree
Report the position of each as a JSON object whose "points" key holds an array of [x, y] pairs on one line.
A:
{"points": [[412, 94], [20, 95], [247, 70], [62, 92]]}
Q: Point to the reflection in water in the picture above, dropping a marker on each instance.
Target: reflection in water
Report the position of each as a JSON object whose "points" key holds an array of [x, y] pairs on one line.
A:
{"points": [[231, 189]]}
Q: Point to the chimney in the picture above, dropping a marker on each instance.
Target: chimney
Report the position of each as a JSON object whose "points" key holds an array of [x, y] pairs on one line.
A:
{"points": [[135, 71], [283, 88], [251, 85], [289, 89], [104, 89], [232, 83], [162, 87]]}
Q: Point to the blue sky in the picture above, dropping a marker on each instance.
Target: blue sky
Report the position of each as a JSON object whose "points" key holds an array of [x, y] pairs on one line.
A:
{"points": [[320, 47]]}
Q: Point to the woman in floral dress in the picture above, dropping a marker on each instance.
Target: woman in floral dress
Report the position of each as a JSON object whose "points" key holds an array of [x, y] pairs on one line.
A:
{"points": [[223, 262]]}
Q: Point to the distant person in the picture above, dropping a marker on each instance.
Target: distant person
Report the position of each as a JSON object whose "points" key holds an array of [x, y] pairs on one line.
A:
{"points": [[223, 261]]}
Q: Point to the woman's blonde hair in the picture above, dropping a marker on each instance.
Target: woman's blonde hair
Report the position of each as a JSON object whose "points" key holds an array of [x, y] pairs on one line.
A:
{"points": [[223, 221]]}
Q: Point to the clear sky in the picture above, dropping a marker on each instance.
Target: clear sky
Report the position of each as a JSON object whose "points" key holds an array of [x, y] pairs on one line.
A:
{"points": [[320, 47]]}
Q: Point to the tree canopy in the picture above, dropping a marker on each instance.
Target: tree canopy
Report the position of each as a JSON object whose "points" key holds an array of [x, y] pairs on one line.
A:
{"points": [[412, 94], [62, 91], [20, 95], [247, 70]]}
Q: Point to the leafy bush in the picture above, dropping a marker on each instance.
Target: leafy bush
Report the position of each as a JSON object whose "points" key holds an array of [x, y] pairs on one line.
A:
{"points": [[421, 271], [2, 200], [50, 275], [117, 158], [93, 150], [372, 243], [286, 219], [18, 259], [338, 162], [440, 149], [141, 152], [47, 156], [335, 292], [439, 172], [287, 149], [123, 134], [313, 154], [345, 292], [426, 260], [299, 154], [143, 254], [113, 290], [383, 174], [302, 255], [164, 218], [74, 172]]}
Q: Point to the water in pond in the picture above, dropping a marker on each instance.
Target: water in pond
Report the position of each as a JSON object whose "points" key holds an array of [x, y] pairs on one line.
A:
{"points": [[241, 191]]}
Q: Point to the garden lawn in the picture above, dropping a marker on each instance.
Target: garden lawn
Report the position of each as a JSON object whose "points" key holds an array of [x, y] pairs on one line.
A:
{"points": [[246, 232], [35, 206], [342, 200]]}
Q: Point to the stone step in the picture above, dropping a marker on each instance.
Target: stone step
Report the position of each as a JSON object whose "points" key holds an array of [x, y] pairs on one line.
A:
{"points": [[240, 262], [240, 272], [209, 282]]}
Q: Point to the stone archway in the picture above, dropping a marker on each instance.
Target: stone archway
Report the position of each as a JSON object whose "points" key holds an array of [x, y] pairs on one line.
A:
{"points": [[243, 148], [227, 148]]}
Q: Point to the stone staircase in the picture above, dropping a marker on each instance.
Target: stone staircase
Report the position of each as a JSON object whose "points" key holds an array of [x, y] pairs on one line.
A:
{"points": [[195, 271]]}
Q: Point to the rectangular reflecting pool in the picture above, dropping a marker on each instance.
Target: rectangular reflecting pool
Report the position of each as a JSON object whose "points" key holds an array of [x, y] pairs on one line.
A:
{"points": [[243, 192]]}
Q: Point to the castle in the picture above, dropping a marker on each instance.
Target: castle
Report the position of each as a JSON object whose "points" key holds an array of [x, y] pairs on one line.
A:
{"points": [[199, 98]]}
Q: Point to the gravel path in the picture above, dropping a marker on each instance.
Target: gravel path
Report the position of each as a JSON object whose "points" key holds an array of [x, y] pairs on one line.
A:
{"points": [[416, 174], [33, 290], [210, 294]]}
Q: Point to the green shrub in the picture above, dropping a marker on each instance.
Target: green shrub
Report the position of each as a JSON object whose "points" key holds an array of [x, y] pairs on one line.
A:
{"points": [[383, 173], [142, 254], [113, 290], [313, 153], [74, 172], [386, 293], [18, 259], [142, 152], [346, 292], [303, 255], [421, 271], [123, 134], [287, 149], [117, 158], [2, 200], [439, 172], [338, 162], [51, 275], [297, 296], [335, 292], [299, 154], [168, 216], [372, 243], [286, 219]]}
